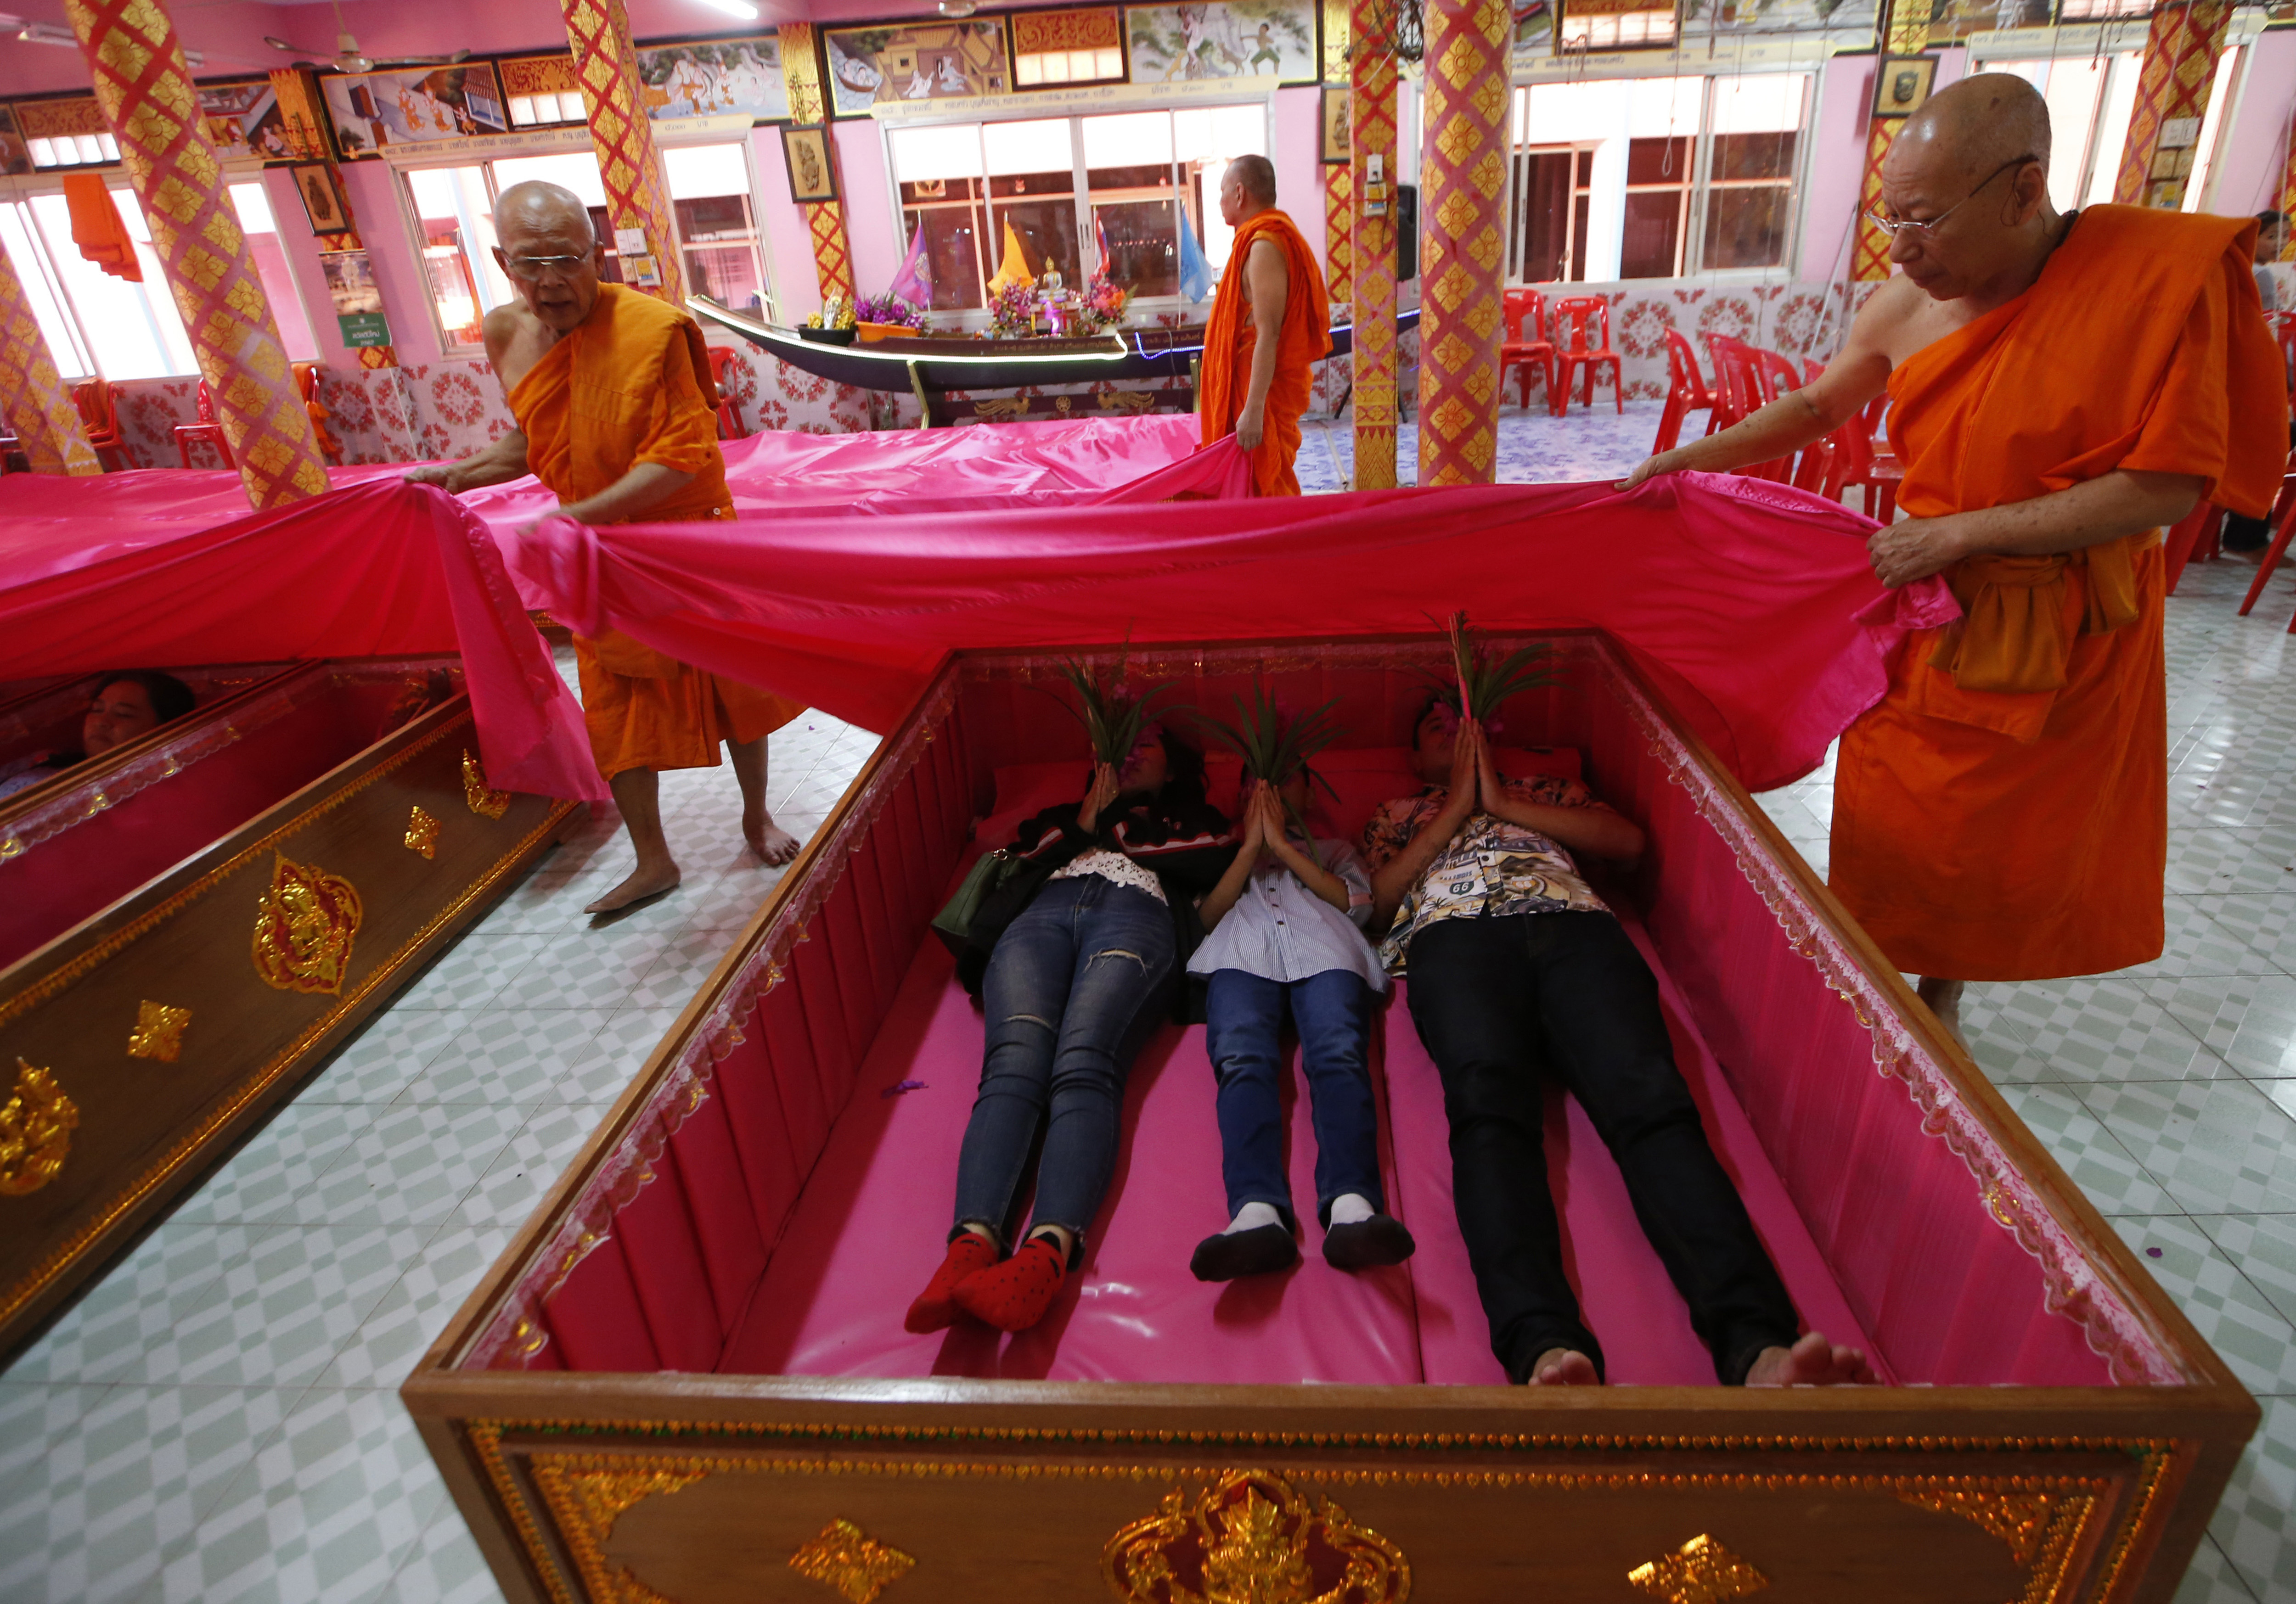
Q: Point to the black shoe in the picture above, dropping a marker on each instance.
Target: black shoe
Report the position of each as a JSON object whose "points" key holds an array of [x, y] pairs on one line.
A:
{"points": [[1367, 1244], [1254, 1252]]}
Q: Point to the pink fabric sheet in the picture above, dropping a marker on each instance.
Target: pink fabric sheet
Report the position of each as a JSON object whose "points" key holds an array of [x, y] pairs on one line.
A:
{"points": [[1739, 597]]}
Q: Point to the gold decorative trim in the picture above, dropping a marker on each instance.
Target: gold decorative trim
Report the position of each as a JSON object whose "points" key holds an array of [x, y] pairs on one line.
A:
{"points": [[305, 924], [2092, 1492], [1702, 1571], [36, 1127], [1249, 1536], [849, 1562], [42, 1275], [421, 832], [63, 976], [485, 803], [2039, 1529], [158, 1032], [588, 1501]]}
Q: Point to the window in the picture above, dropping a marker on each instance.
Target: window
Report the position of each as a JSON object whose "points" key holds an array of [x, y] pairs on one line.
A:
{"points": [[1080, 195], [1617, 25], [1628, 178], [2090, 100], [710, 192], [2212, 128]]}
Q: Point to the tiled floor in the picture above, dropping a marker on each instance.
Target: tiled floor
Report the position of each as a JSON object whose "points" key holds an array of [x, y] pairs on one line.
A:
{"points": [[217, 1418]]}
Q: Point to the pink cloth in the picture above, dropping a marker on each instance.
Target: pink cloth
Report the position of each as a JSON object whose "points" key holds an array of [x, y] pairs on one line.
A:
{"points": [[381, 568], [1740, 598]]}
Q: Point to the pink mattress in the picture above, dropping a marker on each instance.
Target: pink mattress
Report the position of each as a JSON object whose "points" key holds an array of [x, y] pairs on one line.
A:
{"points": [[867, 1228]]}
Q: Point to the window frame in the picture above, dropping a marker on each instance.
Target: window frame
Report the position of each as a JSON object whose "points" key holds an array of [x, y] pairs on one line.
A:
{"points": [[977, 318], [2116, 51]]}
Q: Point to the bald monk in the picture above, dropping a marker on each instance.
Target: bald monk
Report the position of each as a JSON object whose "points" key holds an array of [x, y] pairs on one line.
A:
{"points": [[617, 415], [2061, 387], [1270, 324]]}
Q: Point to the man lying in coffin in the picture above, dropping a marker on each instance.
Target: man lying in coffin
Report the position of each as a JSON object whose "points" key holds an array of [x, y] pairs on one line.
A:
{"points": [[127, 705], [1518, 972]]}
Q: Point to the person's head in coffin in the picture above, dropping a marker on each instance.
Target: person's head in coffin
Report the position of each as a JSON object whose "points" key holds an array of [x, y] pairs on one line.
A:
{"points": [[131, 704]]}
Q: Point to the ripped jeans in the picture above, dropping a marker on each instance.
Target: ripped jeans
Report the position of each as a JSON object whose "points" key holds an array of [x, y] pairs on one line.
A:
{"points": [[1075, 985]]}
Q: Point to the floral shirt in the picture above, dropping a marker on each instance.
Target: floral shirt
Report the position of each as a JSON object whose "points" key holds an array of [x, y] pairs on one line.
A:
{"points": [[1491, 868]]}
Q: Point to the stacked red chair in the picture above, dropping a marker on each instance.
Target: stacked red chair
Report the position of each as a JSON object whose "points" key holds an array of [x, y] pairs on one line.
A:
{"points": [[206, 429], [1519, 353], [98, 413], [730, 426], [1576, 321], [1687, 392]]}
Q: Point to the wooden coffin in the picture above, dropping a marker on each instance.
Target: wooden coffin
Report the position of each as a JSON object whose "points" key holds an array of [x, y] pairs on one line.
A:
{"points": [[686, 1379], [191, 923]]}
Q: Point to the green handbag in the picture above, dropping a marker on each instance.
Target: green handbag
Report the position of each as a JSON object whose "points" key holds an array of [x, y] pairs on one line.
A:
{"points": [[983, 881]]}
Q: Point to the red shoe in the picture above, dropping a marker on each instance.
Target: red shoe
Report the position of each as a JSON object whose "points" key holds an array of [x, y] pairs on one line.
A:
{"points": [[1014, 1295], [968, 1253]]}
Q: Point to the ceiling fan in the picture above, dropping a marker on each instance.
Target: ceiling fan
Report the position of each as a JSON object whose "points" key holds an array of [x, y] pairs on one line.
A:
{"points": [[348, 57]]}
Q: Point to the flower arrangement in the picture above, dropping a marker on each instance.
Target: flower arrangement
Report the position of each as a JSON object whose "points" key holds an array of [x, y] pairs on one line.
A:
{"points": [[1103, 305], [1481, 682], [889, 309], [836, 314], [1115, 712], [1012, 311], [1275, 746]]}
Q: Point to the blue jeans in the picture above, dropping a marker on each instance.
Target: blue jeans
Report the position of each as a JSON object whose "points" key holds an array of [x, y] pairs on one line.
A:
{"points": [[1243, 1017], [1075, 985]]}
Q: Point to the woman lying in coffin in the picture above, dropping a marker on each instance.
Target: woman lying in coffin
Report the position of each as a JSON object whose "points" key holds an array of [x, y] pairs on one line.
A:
{"points": [[1076, 958], [127, 706]]}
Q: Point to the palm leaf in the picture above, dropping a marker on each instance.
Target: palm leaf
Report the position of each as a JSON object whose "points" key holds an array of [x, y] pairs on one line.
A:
{"points": [[1479, 682], [1112, 720], [1273, 748]]}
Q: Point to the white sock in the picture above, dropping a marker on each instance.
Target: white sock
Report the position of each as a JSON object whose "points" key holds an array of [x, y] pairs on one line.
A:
{"points": [[1251, 1216], [1350, 1208]]}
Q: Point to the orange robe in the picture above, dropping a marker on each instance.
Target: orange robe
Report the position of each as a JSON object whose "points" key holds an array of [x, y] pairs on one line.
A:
{"points": [[2002, 813], [1303, 338], [631, 384]]}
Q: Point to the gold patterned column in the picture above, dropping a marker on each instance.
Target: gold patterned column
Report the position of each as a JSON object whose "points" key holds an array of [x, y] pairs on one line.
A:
{"points": [[2172, 100], [808, 103], [38, 403], [606, 66], [145, 87], [1906, 32], [1339, 186], [1462, 170], [2287, 204], [297, 91], [1371, 132]]}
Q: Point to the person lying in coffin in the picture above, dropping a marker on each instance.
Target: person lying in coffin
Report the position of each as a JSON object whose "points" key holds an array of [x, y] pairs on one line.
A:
{"points": [[1518, 972], [1075, 959], [127, 706]]}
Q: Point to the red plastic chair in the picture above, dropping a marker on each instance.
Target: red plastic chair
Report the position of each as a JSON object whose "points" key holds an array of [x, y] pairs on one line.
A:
{"points": [[1857, 464], [98, 413], [1573, 326], [1687, 392], [2193, 539], [1737, 382], [730, 426], [206, 429], [2283, 526], [1519, 353]]}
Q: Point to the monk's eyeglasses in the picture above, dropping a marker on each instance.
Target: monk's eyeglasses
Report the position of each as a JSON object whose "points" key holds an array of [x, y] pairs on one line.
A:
{"points": [[536, 270], [1926, 229]]}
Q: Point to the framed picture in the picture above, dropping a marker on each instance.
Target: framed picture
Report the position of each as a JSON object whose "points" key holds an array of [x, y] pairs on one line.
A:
{"points": [[373, 111], [1218, 39], [915, 61], [1337, 103], [322, 198], [714, 79], [1057, 47], [812, 176], [1902, 85]]}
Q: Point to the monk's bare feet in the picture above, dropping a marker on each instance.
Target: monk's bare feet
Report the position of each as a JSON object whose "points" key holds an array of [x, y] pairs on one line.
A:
{"points": [[1562, 1367], [1813, 1362], [1944, 1000], [766, 839], [645, 883]]}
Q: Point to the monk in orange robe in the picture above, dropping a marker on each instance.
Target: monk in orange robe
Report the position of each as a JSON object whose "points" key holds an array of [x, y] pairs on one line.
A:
{"points": [[1270, 324], [2062, 387], [617, 415]]}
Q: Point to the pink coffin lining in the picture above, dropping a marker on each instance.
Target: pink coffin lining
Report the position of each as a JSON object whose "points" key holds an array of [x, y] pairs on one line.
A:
{"points": [[866, 1231]]}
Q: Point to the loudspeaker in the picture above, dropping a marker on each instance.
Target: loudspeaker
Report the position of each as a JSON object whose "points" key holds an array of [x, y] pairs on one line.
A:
{"points": [[1407, 232]]}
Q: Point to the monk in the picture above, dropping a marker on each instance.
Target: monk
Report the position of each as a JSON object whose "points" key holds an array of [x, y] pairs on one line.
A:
{"points": [[1270, 324], [617, 415], [2061, 387]]}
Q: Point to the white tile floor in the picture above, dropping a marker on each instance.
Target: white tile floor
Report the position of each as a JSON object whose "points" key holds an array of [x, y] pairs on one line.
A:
{"points": [[217, 1419]]}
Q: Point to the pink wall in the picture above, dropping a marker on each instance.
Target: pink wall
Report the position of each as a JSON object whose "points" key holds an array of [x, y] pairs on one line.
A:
{"points": [[871, 228], [1829, 205], [2255, 148], [797, 294], [1298, 162]]}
